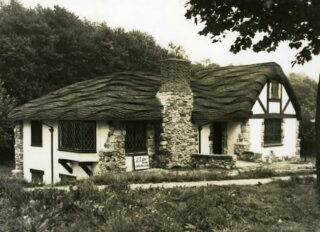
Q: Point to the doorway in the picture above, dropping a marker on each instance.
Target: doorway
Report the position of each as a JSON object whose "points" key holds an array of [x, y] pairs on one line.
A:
{"points": [[217, 137]]}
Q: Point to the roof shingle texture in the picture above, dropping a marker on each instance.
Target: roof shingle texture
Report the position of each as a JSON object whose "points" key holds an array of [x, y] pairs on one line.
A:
{"points": [[221, 94]]}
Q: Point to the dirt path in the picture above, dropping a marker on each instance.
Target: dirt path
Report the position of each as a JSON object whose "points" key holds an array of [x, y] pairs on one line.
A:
{"points": [[185, 184]]}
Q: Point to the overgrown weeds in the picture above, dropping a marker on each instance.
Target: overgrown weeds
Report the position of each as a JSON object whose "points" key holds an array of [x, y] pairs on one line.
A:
{"points": [[159, 176], [272, 207]]}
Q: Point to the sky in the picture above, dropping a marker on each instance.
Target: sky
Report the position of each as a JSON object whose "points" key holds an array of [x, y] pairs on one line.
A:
{"points": [[165, 21]]}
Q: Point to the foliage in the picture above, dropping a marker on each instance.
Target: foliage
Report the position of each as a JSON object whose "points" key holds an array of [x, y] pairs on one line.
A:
{"points": [[6, 126], [203, 64], [177, 51], [261, 25], [279, 206], [44, 49], [116, 179], [306, 92]]}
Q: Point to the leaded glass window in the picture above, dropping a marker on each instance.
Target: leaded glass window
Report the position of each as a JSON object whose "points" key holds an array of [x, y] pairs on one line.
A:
{"points": [[135, 140], [77, 136], [272, 131]]}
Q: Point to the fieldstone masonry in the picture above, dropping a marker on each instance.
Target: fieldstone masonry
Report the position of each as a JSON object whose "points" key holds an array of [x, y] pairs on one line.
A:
{"points": [[151, 146], [18, 148], [113, 157], [298, 140], [242, 144], [179, 137]]}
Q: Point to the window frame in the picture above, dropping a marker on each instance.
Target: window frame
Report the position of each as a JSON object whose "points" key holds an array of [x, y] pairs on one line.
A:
{"points": [[136, 124], [272, 96], [36, 175], [36, 133], [268, 132], [76, 149]]}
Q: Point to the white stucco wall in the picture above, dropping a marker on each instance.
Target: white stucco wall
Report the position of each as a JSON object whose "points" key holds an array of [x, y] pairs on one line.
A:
{"points": [[233, 131], [205, 144], [40, 157], [288, 147], [274, 107]]}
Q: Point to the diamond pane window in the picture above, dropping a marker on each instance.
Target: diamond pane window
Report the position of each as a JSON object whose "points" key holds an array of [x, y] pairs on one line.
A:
{"points": [[135, 140], [272, 131], [77, 136]]}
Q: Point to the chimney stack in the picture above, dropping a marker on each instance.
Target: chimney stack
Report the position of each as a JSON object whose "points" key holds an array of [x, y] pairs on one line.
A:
{"points": [[179, 137], [175, 75]]}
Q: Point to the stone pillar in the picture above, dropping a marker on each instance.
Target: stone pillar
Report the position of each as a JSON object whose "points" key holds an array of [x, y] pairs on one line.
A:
{"points": [[298, 140], [18, 149], [243, 143], [113, 158], [151, 146], [179, 137]]}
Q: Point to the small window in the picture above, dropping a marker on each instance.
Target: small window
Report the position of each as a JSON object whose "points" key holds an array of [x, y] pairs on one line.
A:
{"points": [[36, 176], [77, 136], [274, 91], [135, 140], [272, 131], [36, 133]]}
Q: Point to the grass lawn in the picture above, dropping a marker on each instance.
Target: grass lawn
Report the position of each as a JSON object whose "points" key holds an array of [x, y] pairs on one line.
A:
{"points": [[280, 206], [5, 168]]}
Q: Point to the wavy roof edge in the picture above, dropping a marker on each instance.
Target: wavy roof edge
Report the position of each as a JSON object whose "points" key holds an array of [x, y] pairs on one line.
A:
{"points": [[103, 98]]}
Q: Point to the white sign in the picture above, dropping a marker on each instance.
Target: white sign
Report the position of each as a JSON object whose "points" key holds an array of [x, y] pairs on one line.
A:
{"points": [[141, 162]]}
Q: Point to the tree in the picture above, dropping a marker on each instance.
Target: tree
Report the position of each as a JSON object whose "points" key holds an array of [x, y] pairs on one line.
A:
{"points": [[306, 92], [44, 49], [261, 25], [6, 137]]}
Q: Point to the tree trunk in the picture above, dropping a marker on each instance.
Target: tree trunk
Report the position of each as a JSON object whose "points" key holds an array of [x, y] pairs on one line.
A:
{"points": [[318, 135]]}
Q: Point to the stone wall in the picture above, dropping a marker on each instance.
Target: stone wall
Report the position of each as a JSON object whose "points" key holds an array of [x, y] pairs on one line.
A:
{"points": [[113, 157], [18, 149], [179, 137], [151, 146], [214, 161], [243, 143], [298, 140]]}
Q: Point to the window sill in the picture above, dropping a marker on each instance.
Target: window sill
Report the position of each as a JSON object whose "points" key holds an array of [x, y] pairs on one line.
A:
{"points": [[137, 153], [36, 145], [274, 100], [273, 145], [76, 151]]}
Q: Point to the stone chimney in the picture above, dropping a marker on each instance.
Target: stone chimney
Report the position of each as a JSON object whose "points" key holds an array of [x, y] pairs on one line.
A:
{"points": [[179, 137]]}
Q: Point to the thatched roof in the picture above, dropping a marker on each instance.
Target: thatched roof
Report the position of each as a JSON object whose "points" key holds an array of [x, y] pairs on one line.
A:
{"points": [[219, 94]]}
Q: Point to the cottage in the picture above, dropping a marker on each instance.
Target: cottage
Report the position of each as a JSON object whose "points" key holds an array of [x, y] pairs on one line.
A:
{"points": [[102, 124]]}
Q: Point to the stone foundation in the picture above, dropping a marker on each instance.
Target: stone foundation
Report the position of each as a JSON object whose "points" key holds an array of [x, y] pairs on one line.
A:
{"points": [[113, 157], [178, 137], [18, 149], [242, 144], [214, 161]]}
